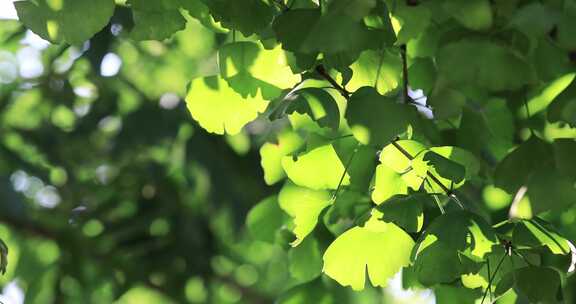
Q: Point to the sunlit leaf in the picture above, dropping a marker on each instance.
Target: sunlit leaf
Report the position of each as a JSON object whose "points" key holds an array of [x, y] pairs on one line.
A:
{"points": [[218, 108], [319, 168], [362, 249], [65, 21], [377, 119], [272, 154], [303, 205]]}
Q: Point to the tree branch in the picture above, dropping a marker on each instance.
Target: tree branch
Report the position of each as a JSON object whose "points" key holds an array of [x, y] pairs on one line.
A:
{"points": [[322, 71]]}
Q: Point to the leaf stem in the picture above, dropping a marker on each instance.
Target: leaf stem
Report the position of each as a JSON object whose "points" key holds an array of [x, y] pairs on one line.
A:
{"points": [[435, 197], [335, 195], [492, 277]]}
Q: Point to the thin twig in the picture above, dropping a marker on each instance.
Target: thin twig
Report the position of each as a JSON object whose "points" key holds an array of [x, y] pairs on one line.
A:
{"points": [[489, 278], [405, 72], [428, 174], [492, 278], [322, 71]]}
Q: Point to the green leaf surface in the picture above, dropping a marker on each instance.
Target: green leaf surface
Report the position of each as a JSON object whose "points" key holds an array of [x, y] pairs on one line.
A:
{"points": [[381, 69], [539, 284], [472, 14], [445, 167], [265, 219], [248, 17], [514, 170], [380, 249], [65, 21], [250, 69], [447, 246], [305, 260], [271, 155], [376, 119], [387, 183], [485, 64], [406, 211], [320, 168], [304, 206], [218, 108], [538, 233], [156, 21], [308, 31], [318, 105]]}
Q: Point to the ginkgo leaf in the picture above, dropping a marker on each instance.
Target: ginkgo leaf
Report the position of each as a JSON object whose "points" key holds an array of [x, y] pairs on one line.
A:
{"points": [[309, 31], [479, 62], [156, 20], [305, 260], [248, 17], [320, 168], [538, 233], [450, 242], [317, 104], [473, 14], [271, 155], [265, 219], [381, 69], [539, 284], [65, 21], [395, 159], [386, 184], [376, 119], [219, 109], [408, 21], [303, 205], [406, 211], [514, 170], [380, 249], [248, 66], [445, 167]]}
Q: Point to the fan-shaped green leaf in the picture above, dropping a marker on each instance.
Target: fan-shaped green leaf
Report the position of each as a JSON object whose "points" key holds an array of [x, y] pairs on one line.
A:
{"points": [[473, 14], [65, 21], [445, 167], [248, 17], [305, 260], [485, 64], [265, 219], [379, 248], [218, 108], [303, 205], [318, 104], [406, 211], [387, 183], [538, 233], [376, 119], [514, 170], [307, 31], [271, 155], [156, 20], [381, 69], [320, 168]]}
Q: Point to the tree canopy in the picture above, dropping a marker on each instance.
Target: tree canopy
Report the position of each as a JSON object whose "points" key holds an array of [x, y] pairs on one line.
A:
{"points": [[296, 151]]}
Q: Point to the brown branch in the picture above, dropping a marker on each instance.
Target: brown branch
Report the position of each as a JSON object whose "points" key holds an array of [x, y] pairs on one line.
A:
{"points": [[405, 73], [322, 71]]}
